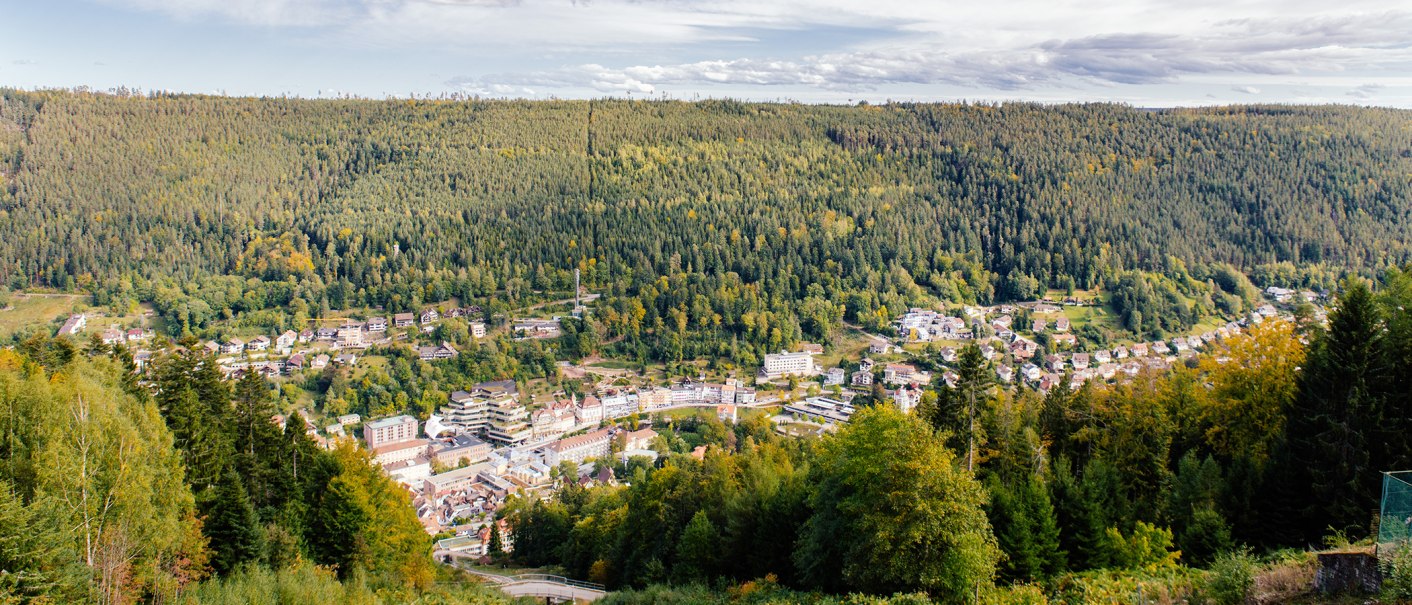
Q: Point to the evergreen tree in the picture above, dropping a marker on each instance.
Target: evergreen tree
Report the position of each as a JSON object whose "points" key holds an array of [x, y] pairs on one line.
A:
{"points": [[229, 521]]}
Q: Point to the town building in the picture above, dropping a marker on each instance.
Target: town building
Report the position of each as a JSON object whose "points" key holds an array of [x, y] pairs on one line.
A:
{"points": [[396, 429], [778, 365], [596, 444]]}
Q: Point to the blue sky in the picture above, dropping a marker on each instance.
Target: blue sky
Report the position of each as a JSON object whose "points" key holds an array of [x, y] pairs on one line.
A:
{"points": [[1142, 52]]}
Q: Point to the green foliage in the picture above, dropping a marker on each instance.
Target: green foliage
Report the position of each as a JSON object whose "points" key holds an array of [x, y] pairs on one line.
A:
{"points": [[913, 518], [1231, 579], [1146, 547], [1026, 529], [1397, 573]]}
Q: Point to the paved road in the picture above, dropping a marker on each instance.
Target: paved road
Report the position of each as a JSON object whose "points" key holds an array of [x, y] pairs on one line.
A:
{"points": [[546, 586]]}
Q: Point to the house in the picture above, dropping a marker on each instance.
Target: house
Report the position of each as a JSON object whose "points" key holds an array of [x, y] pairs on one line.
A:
{"points": [[1039, 325], [350, 336], [377, 324], [590, 410], [306, 335], [1031, 372], [897, 373], [1080, 361], [948, 354], [138, 334], [430, 316], [728, 413], [1064, 340], [1159, 348], [111, 336], [346, 359], [1045, 308], [286, 340], [835, 376], [1054, 362], [1061, 324], [320, 362], [326, 334], [403, 320], [811, 348], [477, 329], [1138, 349], [1120, 352], [259, 343], [234, 346], [1102, 357], [906, 398], [639, 440], [73, 325], [862, 378], [295, 362], [444, 351], [1004, 373], [211, 347], [879, 348]]}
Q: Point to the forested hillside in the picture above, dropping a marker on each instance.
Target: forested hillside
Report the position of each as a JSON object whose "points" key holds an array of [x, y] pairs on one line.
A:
{"points": [[748, 209], [111, 495]]}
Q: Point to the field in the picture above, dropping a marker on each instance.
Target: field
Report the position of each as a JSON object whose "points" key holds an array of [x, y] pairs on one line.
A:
{"points": [[27, 310]]}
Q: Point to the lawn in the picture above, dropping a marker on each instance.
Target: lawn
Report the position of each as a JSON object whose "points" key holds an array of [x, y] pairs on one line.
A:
{"points": [[36, 309], [615, 364]]}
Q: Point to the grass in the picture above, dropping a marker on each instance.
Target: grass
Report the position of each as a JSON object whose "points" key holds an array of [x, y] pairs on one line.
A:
{"points": [[36, 309], [615, 364]]}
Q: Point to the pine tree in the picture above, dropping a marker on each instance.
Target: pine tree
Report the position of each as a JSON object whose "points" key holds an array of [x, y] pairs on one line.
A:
{"points": [[230, 523]]}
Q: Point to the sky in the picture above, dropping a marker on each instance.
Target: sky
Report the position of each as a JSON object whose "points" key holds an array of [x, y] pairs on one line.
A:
{"points": [[1147, 53]]}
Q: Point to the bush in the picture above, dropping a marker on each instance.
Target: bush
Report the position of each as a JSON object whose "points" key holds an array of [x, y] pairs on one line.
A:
{"points": [[1397, 574], [1231, 578]]}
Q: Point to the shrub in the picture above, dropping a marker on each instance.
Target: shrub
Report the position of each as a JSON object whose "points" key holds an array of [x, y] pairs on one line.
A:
{"points": [[1231, 578], [1397, 573]]}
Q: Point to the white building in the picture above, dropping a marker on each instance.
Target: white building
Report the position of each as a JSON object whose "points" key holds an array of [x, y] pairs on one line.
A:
{"points": [[782, 364], [396, 429]]}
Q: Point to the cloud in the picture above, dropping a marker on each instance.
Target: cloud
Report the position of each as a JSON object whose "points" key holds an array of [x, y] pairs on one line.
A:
{"points": [[1366, 91], [1271, 47], [1250, 90]]}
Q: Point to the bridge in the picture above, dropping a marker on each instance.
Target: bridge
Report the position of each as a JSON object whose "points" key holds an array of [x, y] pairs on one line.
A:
{"points": [[553, 589]]}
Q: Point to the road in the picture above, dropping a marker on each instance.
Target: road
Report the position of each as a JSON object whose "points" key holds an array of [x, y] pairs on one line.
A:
{"points": [[545, 586]]}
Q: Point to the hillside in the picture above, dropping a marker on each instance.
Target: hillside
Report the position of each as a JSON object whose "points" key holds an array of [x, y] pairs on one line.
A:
{"points": [[100, 186]]}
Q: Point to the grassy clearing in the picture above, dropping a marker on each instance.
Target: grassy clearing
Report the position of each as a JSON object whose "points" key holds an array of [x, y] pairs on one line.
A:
{"points": [[37, 309]]}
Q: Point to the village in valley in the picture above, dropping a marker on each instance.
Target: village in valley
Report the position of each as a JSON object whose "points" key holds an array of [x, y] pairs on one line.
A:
{"points": [[487, 441]]}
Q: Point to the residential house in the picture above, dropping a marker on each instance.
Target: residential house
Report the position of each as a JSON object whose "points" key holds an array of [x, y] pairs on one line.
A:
{"points": [[1061, 324], [590, 411], [350, 336], [430, 316], [286, 340], [477, 329], [1038, 326], [259, 343], [377, 324], [73, 325], [1004, 373], [437, 353], [1080, 361], [295, 362], [835, 376], [306, 335], [111, 336], [403, 320], [320, 362], [1064, 340], [234, 346], [326, 334]]}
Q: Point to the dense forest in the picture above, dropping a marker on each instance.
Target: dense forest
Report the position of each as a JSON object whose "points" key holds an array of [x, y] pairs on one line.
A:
{"points": [[714, 229], [113, 495], [1274, 441]]}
